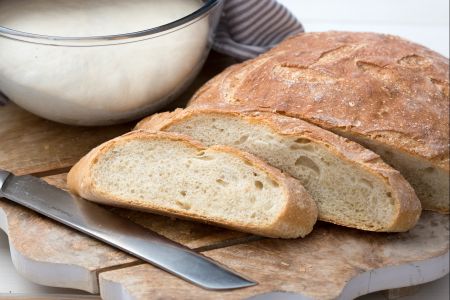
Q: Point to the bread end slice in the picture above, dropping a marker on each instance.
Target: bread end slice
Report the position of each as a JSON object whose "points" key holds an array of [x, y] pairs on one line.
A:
{"points": [[172, 174]]}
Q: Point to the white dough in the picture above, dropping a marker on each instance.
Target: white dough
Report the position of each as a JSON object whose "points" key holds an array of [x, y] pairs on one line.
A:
{"points": [[102, 84]]}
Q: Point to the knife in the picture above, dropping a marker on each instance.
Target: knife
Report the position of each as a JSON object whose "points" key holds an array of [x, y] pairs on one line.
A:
{"points": [[119, 232]]}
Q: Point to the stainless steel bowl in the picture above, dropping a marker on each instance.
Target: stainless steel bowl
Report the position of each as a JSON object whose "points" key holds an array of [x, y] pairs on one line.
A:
{"points": [[101, 80]]}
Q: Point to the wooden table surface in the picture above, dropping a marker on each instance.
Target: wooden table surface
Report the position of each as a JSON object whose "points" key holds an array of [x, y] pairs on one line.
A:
{"points": [[426, 22]]}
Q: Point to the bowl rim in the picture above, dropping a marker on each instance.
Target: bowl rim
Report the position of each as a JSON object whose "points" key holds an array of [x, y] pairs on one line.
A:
{"points": [[203, 10]]}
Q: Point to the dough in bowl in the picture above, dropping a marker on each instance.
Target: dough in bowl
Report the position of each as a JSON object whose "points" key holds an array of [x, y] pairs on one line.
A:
{"points": [[99, 85]]}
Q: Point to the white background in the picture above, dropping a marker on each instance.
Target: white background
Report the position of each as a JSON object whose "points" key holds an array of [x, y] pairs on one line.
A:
{"points": [[422, 21]]}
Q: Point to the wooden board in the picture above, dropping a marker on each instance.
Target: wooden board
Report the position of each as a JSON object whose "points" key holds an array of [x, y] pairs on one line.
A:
{"points": [[33, 145], [322, 266], [330, 263]]}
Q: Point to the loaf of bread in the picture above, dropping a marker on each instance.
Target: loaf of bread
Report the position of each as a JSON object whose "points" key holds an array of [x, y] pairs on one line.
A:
{"points": [[171, 174], [381, 91], [352, 185]]}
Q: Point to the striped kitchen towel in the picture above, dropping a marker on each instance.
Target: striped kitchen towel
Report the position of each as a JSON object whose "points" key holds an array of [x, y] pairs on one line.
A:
{"points": [[250, 27]]}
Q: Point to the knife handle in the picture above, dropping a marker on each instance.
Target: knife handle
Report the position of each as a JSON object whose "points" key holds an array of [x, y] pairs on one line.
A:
{"points": [[3, 176]]}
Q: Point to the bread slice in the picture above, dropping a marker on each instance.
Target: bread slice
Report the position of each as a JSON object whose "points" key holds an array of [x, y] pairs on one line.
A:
{"points": [[173, 175], [381, 91], [352, 185]]}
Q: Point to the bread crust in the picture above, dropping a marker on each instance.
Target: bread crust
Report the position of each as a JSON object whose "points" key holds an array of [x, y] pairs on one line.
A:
{"points": [[295, 219], [377, 86], [408, 207]]}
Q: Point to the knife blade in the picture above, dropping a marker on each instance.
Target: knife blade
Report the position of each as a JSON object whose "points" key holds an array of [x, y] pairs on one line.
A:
{"points": [[121, 233]]}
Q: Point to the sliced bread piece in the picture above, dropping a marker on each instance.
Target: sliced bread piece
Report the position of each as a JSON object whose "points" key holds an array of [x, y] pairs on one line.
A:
{"points": [[352, 185], [171, 174]]}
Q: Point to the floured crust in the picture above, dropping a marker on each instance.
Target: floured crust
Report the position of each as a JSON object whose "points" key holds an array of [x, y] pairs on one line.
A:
{"points": [[297, 217], [372, 85], [407, 204]]}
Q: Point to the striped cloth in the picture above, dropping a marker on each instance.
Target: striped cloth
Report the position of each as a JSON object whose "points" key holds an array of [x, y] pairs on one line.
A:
{"points": [[250, 27]]}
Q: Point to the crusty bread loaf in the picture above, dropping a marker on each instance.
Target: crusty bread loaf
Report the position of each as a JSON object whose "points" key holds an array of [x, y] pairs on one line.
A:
{"points": [[381, 91], [171, 174], [352, 185]]}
